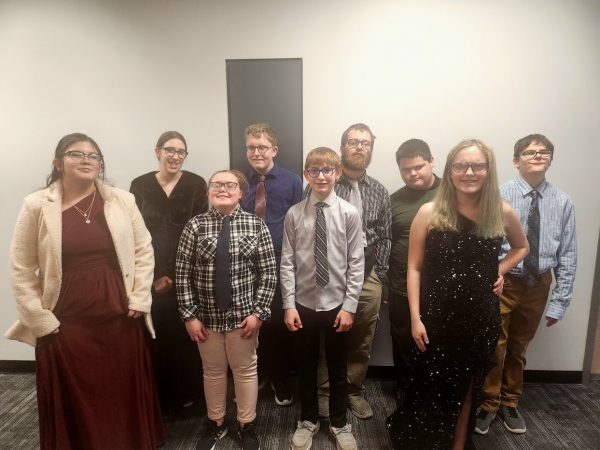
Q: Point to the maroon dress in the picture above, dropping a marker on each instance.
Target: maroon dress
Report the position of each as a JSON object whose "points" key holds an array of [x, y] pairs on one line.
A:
{"points": [[95, 383]]}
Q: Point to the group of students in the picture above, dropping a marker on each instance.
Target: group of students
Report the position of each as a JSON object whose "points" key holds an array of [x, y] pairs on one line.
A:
{"points": [[88, 260]]}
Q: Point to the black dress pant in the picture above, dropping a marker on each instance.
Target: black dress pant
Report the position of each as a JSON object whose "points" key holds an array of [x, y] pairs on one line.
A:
{"points": [[274, 344], [402, 341], [306, 342], [177, 362]]}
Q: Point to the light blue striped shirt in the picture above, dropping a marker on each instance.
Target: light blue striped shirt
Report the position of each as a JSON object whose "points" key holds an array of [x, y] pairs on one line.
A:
{"points": [[558, 244]]}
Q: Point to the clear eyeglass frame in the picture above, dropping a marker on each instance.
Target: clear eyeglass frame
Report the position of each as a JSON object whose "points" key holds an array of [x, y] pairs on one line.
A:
{"points": [[475, 168], [79, 157], [229, 186]]}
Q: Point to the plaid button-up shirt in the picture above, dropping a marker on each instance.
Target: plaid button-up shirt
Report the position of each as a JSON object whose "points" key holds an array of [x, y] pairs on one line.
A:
{"points": [[252, 269]]}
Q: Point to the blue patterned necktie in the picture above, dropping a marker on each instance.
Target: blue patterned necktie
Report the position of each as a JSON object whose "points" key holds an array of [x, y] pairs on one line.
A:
{"points": [[322, 270], [531, 263], [223, 280]]}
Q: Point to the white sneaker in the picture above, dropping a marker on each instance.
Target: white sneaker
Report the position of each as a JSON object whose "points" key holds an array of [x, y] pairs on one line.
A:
{"points": [[343, 437], [302, 439]]}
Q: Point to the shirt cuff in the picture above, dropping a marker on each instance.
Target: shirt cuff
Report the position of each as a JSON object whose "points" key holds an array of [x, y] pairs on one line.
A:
{"points": [[555, 311], [188, 312]]}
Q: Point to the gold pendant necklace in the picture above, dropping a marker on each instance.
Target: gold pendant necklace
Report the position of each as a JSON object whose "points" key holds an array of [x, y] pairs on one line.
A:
{"points": [[86, 213]]}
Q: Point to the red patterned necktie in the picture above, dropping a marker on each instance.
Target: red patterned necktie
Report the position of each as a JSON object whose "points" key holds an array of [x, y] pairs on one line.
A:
{"points": [[260, 200]]}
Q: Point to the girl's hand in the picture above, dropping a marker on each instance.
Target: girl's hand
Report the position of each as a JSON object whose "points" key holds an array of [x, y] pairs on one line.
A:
{"points": [[196, 330], [420, 335], [134, 314], [499, 284]]}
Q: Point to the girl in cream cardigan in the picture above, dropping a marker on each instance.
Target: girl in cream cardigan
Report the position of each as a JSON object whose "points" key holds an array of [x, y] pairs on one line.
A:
{"points": [[82, 267]]}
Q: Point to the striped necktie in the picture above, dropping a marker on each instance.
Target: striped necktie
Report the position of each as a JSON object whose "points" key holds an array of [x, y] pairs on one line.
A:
{"points": [[322, 270], [531, 263]]}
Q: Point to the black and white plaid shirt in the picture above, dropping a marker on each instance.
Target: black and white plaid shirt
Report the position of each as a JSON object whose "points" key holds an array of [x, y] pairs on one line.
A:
{"points": [[252, 269], [376, 218]]}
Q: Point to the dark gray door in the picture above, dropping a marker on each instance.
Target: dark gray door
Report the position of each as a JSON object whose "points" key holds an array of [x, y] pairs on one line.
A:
{"points": [[266, 90]]}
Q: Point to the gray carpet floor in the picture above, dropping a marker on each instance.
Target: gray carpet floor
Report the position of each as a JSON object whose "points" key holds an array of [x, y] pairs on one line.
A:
{"points": [[558, 417]]}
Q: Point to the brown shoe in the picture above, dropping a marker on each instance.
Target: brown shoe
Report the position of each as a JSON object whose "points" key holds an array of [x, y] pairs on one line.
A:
{"points": [[359, 407]]}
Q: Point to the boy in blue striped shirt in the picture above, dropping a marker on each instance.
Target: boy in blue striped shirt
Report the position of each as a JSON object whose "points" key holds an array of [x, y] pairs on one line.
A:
{"points": [[548, 217]]}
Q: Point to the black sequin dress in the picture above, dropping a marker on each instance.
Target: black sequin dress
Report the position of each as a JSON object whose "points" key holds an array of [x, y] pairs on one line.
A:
{"points": [[461, 314]]}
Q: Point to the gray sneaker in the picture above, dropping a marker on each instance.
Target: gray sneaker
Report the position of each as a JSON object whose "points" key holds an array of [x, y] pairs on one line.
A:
{"points": [[360, 407], [302, 439], [343, 437], [323, 406], [513, 420], [483, 420]]}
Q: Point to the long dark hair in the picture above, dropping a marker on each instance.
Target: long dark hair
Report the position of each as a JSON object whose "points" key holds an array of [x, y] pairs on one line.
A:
{"points": [[62, 147]]}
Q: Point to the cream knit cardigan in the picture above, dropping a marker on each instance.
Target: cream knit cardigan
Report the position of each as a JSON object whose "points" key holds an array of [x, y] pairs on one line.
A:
{"points": [[36, 258]]}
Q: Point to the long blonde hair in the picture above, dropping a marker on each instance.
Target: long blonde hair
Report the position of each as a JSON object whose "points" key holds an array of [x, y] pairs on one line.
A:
{"points": [[490, 222]]}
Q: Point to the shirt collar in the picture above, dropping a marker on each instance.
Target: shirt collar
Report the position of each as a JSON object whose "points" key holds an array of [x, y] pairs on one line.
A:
{"points": [[273, 173], [526, 188], [219, 216], [364, 179], [329, 201]]}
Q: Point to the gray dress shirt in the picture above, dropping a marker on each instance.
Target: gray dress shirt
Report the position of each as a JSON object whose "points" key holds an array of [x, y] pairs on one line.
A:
{"points": [[344, 254]]}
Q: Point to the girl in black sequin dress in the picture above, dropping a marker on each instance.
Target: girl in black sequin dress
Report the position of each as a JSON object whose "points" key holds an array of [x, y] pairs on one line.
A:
{"points": [[453, 281]]}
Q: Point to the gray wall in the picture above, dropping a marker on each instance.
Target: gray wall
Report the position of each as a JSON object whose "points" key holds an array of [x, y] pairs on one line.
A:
{"points": [[125, 71]]}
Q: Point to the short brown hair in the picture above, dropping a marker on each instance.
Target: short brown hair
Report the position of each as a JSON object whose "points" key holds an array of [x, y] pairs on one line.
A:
{"points": [[525, 142], [258, 129], [242, 180], [322, 155], [358, 127]]}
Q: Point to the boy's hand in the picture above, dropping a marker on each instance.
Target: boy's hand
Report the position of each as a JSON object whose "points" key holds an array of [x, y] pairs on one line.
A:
{"points": [[196, 330], [345, 320], [251, 325], [292, 319]]}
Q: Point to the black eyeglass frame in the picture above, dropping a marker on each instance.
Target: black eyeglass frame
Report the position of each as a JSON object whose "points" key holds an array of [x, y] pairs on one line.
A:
{"points": [[547, 154], [170, 151], [314, 173], [356, 142]]}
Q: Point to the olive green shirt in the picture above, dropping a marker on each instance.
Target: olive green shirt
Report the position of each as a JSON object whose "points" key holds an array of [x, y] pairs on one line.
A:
{"points": [[405, 205]]}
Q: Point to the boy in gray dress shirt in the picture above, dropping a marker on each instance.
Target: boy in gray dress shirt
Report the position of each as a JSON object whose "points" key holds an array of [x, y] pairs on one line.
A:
{"points": [[322, 271]]}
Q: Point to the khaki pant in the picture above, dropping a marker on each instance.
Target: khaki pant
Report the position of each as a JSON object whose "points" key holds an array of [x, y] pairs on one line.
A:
{"points": [[360, 338], [218, 352], [522, 308]]}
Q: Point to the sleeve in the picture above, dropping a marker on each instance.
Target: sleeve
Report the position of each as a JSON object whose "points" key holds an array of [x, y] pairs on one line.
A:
{"points": [[184, 273], [564, 272], [356, 262], [287, 272], [27, 284], [383, 228], [297, 194], [266, 272], [140, 298], [137, 193], [200, 198]]}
